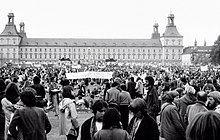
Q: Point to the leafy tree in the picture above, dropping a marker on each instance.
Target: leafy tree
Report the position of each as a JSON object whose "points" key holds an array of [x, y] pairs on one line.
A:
{"points": [[215, 53]]}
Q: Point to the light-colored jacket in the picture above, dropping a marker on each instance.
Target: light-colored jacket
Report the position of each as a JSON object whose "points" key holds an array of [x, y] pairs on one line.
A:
{"points": [[68, 116]]}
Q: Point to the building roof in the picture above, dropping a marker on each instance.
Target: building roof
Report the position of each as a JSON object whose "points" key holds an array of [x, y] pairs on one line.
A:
{"points": [[171, 31], [90, 42], [197, 49], [188, 50], [11, 30]]}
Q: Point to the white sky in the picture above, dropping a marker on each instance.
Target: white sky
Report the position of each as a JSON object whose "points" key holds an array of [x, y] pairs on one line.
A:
{"points": [[195, 19]]}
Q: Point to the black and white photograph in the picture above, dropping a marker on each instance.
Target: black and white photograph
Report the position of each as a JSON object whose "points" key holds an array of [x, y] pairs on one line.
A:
{"points": [[109, 70]]}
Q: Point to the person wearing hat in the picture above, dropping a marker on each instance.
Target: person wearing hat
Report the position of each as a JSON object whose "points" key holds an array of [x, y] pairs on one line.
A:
{"points": [[213, 102], [172, 127], [142, 126]]}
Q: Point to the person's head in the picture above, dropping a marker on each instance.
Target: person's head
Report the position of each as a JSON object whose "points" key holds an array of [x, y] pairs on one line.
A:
{"points": [[107, 85], [12, 93], [99, 108], [67, 92], [204, 126], [28, 97], [7, 81], [123, 87], [202, 96], [183, 80], [36, 79], [170, 96], [115, 84], [213, 99], [111, 119], [149, 80], [2, 85], [138, 78], [138, 106], [190, 90]]}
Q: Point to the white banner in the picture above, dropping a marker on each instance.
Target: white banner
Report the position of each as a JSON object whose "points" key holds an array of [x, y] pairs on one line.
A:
{"points": [[204, 68], [89, 74]]}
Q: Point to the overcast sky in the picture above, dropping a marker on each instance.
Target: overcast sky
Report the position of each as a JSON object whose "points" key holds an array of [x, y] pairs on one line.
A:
{"points": [[194, 19]]}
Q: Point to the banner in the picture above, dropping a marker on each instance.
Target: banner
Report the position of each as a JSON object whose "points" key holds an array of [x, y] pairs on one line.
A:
{"points": [[204, 68], [89, 74]]}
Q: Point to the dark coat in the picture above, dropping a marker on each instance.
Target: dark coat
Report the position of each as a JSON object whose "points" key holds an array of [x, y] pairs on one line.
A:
{"points": [[2, 115], [172, 127], [85, 129], [131, 89], [147, 130], [33, 122], [152, 101]]}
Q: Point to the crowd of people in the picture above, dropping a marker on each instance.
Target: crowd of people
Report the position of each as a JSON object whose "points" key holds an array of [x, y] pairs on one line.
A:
{"points": [[137, 103]]}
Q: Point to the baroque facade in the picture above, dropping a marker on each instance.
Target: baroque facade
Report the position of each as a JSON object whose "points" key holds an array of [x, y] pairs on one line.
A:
{"points": [[16, 47]]}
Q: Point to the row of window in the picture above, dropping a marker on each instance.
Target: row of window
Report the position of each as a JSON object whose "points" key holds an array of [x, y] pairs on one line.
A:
{"points": [[94, 50], [99, 56]]}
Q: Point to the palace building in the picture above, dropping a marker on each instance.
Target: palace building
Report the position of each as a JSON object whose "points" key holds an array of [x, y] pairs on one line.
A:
{"points": [[163, 49]]}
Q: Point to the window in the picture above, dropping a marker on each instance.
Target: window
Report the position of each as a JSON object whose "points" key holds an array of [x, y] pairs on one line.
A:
{"points": [[35, 50], [30, 49]]}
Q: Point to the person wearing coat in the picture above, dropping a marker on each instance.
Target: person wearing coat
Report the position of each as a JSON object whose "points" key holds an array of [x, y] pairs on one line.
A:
{"points": [[8, 103], [29, 115], [111, 129], [68, 124], [94, 124], [142, 126], [172, 127], [2, 114]]}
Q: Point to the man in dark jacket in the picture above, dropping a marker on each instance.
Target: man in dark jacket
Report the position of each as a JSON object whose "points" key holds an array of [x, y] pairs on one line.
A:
{"points": [[94, 124], [142, 126], [32, 120], [40, 91], [152, 99], [131, 87]]}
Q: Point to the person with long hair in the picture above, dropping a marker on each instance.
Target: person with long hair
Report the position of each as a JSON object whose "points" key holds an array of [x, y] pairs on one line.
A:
{"points": [[8, 102], [94, 123], [111, 129], [204, 126], [29, 115], [172, 127], [142, 126]]}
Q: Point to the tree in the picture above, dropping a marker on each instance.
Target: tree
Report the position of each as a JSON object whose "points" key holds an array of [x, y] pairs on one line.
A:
{"points": [[215, 53]]}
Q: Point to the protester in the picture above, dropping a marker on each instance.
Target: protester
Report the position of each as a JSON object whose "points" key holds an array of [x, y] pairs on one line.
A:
{"points": [[8, 102], [40, 95], [111, 129], [205, 126], [94, 124], [131, 87], [213, 102], [68, 123], [124, 102], [2, 114], [188, 99], [139, 87], [112, 93], [152, 99], [172, 127], [142, 126], [29, 115], [199, 106]]}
